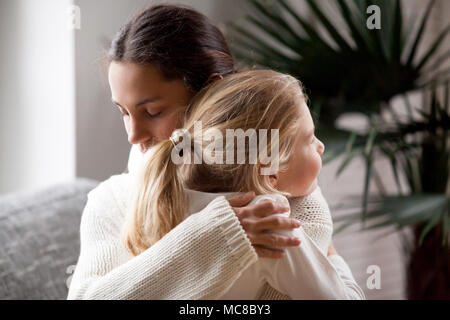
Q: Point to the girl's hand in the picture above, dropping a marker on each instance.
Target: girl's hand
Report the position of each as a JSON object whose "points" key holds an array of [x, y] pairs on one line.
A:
{"points": [[256, 221], [331, 249]]}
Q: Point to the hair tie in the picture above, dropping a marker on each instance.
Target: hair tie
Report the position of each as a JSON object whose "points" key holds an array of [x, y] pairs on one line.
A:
{"points": [[176, 135], [173, 142]]}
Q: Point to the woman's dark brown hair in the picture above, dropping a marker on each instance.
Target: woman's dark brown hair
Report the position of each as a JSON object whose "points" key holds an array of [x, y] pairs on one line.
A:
{"points": [[183, 43]]}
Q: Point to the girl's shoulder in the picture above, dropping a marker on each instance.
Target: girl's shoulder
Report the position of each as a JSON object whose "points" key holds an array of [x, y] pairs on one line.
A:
{"points": [[312, 208], [312, 211], [276, 197], [314, 214]]}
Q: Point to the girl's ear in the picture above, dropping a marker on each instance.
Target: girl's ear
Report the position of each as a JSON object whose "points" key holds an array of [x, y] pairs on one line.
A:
{"points": [[273, 178]]}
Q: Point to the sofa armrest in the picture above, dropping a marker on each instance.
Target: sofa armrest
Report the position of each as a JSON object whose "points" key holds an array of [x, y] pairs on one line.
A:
{"points": [[39, 240]]}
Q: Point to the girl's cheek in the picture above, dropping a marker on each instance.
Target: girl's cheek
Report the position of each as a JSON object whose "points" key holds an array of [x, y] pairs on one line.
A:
{"points": [[319, 161], [315, 165]]}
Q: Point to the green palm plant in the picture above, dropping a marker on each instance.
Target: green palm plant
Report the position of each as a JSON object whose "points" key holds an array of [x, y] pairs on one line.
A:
{"points": [[418, 149], [342, 75], [360, 70]]}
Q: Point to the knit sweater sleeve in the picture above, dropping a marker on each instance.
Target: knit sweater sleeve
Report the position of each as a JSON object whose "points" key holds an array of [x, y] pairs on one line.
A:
{"points": [[199, 259]]}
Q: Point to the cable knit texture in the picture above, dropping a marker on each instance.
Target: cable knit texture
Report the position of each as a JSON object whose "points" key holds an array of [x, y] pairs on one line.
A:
{"points": [[201, 258], [206, 253]]}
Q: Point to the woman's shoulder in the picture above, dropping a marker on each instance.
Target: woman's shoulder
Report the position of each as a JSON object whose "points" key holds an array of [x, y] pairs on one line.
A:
{"points": [[113, 193]]}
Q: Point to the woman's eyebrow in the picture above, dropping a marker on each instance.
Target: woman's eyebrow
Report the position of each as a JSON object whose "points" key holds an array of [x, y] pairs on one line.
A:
{"points": [[145, 101]]}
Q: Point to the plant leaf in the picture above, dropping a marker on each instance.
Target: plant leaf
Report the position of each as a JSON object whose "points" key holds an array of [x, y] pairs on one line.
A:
{"points": [[343, 45], [420, 33], [433, 48]]}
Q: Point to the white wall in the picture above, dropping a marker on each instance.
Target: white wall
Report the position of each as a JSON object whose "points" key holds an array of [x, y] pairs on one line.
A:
{"points": [[36, 95]]}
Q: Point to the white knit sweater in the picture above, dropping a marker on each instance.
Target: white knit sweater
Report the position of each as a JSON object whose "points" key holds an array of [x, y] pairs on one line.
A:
{"points": [[305, 272], [199, 259]]}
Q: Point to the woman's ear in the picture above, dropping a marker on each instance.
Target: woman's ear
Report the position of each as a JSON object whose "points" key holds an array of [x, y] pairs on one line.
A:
{"points": [[214, 77]]}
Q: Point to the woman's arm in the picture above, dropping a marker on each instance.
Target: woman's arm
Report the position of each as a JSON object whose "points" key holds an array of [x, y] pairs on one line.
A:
{"points": [[199, 259]]}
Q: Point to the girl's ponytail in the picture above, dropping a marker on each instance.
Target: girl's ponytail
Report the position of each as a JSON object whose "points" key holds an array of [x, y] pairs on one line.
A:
{"points": [[159, 202]]}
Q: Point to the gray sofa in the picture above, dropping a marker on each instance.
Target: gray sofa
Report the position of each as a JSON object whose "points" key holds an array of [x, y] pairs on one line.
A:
{"points": [[39, 240]]}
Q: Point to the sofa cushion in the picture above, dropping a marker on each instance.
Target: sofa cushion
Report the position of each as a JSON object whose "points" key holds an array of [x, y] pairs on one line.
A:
{"points": [[39, 240]]}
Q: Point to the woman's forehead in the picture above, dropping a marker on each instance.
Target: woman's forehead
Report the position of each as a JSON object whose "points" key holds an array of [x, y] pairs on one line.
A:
{"points": [[134, 75], [130, 81]]}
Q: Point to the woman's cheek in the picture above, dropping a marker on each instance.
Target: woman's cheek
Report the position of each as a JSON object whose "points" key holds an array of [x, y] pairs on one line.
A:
{"points": [[168, 125], [126, 123]]}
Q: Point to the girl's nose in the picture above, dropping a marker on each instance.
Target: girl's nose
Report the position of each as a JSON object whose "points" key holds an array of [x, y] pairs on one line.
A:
{"points": [[321, 147]]}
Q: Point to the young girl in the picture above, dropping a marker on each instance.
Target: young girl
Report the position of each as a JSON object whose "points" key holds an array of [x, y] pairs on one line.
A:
{"points": [[167, 193]]}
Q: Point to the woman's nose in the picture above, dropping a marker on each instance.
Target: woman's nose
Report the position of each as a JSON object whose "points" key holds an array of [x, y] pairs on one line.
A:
{"points": [[137, 132]]}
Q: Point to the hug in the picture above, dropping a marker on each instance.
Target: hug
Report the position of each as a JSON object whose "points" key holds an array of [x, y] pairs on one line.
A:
{"points": [[207, 230]]}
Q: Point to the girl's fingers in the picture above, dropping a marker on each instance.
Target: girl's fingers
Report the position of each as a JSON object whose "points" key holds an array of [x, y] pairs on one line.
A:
{"points": [[267, 207], [274, 240], [269, 253], [241, 200], [276, 223]]}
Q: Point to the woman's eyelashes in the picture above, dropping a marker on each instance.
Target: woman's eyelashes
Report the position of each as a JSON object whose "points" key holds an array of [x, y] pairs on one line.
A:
{"points": [[124, 113], [150, 115]]}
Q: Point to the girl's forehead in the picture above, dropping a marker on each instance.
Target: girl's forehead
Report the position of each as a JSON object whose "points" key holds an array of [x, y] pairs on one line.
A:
{"points": [[305, 113], [305, 121]]}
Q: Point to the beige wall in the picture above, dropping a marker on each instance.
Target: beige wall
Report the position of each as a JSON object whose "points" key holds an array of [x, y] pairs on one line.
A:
{"points": [[37, 127]]}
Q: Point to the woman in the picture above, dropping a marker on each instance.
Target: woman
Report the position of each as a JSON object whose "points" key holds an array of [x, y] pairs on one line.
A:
{"points": [[158, 62]]}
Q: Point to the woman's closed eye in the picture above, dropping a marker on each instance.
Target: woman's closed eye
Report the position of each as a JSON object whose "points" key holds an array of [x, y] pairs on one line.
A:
{"points": [[149, 114], [154, 115]]}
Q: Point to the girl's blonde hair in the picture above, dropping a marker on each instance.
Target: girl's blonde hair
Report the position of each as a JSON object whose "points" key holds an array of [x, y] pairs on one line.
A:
{"points": [[252, 99]]}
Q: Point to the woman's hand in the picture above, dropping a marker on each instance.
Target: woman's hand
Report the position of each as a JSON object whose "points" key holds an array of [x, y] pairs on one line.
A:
{"points": [[256, 221], [331, 249]]}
